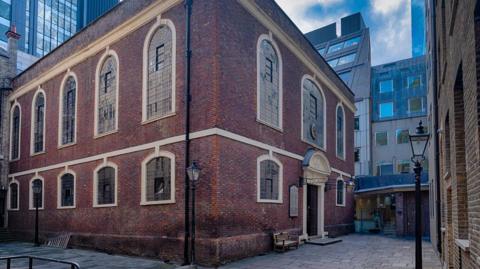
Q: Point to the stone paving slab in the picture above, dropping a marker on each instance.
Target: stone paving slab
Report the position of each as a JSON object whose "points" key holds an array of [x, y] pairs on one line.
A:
{"points": [[85, 258]]}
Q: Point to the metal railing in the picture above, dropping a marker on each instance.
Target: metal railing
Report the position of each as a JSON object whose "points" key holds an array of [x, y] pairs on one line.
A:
{"points": [[73, 265]]}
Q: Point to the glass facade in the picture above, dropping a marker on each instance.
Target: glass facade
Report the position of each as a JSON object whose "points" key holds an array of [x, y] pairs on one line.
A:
{"points": [[5, 19]]}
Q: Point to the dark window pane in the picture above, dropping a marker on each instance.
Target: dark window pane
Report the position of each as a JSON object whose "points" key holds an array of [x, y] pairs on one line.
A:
{"points": [[68, 189], [158, 185], [106, 186]]}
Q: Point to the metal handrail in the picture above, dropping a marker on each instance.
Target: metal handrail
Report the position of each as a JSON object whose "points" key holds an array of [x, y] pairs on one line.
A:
{"points": [[73, 265]]}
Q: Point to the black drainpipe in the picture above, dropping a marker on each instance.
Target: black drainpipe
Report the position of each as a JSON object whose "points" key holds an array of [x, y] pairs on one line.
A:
{"points": [[435, 128], [188, 56]]}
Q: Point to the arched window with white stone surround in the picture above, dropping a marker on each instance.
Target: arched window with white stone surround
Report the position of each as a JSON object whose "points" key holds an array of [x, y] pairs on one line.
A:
{"points": [[68, 110], [269, 179], [341, 190], [105, 185], [38, 122], [34, 199], [313, 113], [158, 178], [106, 99], [13, 195], [340, 131], [15, 131]]}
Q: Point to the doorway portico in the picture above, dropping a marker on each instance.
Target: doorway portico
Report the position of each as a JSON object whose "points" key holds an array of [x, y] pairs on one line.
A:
{"points": [[316, 170]]}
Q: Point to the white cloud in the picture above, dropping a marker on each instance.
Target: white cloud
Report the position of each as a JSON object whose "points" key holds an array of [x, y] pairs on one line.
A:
{"points": [[386, 7]]}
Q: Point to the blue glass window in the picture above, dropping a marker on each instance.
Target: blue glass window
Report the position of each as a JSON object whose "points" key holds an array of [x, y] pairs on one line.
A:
{"points": [[386, 86], [335, 47], [386, 110], [321, 51], [385, 169], [347, 59], [414, 81], [352, 42], [333, 62]]}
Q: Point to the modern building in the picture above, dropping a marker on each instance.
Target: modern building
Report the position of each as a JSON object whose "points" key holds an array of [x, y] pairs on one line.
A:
{"points": [[454, 53], [104, 133], [418, 27], [399, 104], [349, 55]]}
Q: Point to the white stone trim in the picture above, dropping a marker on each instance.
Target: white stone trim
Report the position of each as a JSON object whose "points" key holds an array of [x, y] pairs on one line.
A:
{"points": [[343, 204], [267, 157], [269, 38], [60, 109], [146, 46], [33, 119], [59, 189], [101, 61], [9, 207], [154, 155], [31, 194], [340, 105], [302, 135], [95, 184], [173, 140], [10, 148]]}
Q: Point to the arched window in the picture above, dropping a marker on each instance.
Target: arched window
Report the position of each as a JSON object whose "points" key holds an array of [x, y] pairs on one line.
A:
{"points": [[269, 180], [13, 196], [107, 94], [38, 123], [66, 191], [15, 132], [68, 109], [158, 179], [34, 197], [159, 71], [340, 132], [340, 192], [269, 93], [105, 186], [314, 109]]}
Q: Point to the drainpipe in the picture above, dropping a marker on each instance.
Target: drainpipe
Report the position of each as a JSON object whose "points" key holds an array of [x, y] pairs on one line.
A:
{"points": [[435, 128], [188, 99]]}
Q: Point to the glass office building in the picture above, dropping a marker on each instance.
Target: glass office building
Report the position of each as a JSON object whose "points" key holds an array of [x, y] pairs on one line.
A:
{"points": [[5, 18]]}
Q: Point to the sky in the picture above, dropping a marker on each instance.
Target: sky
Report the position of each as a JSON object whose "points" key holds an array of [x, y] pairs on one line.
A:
{"points": [[389, 22]]}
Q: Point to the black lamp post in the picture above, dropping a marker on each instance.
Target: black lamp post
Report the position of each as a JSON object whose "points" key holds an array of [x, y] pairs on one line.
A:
{"points": [[193, 172], [418, 142], [37, 189]]}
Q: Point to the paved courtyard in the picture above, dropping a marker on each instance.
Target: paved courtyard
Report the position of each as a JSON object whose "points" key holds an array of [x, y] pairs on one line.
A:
{"points": [[354, 252]]}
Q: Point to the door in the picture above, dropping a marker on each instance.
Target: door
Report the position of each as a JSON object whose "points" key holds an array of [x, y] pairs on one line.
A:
{"points": [[312, 210], [2, 208]]}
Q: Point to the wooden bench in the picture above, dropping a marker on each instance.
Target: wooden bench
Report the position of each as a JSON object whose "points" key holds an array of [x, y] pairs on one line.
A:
{"points": [[283, 241]]}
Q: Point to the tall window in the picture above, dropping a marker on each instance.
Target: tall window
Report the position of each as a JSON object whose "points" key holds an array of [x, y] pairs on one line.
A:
{"points": [[269, 180], [402, 136], [105, 186], [158, 179], [68, 112], [159, 84], [67, 190], [269, 82], [340, 132], [13, 196], [15, 133], [36, 198], [38, 119], [107, 96], [340, 192], [313, 114]]}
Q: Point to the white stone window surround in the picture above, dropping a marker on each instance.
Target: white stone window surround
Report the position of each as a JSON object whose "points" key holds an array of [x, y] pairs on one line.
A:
{"points": [[12, 111], [9, 206], [33, 121], [313, 80], [150, 157], [59, 189], [95, 185], [268, 157], [68, 74]]}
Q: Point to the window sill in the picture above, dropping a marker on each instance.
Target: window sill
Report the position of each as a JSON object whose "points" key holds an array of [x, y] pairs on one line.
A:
{"points": [[341, 157], [269, 201], [171, 114], [106, 205], [166, 202], [67, 145], [33, 209], [340, 205], [13, 209], [66, 207], [32, 154], [96, 136], [276, 128], [463, 244]]}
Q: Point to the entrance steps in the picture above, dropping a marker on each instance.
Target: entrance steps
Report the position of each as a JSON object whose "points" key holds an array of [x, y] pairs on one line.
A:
{"points": [[319, 241], [5, 236]]}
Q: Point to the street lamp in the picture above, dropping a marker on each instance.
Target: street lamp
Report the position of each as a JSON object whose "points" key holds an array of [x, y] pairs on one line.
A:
{"points": [[37, 189], [193, 172], [418, 142]]}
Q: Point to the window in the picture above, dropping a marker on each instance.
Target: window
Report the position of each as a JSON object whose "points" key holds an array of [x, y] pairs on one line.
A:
{"points": [[321, 51], [68, 111], [356, 124], [403, 136], [66, 188], [313, 117], [356, 155], [352, 42], [269, 83], [384, 169], [415, 105], [38, 122], [386, 110], [340, 192], [403, 166], [381, 138], [13, 196], [159, 71], [15, 132], [342, 60], [270, 180], [414, 81], [386, 86], [340, 132], [335, 47], [346, 77], [105, 186], [106, 99], [36, 198], [158, 179]]}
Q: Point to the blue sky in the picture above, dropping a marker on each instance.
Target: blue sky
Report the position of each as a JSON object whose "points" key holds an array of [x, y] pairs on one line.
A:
{"points": [[389, 22]]}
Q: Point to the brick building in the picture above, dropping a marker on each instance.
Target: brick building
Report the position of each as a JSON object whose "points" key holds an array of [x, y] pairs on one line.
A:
{"points": [[453, 38], [100, 125]]}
